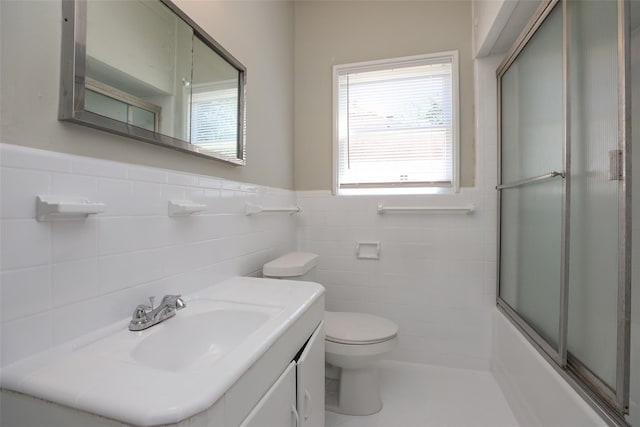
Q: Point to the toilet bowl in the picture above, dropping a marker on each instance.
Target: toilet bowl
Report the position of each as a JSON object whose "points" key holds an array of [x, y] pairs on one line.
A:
{"points": [[354, 343]]}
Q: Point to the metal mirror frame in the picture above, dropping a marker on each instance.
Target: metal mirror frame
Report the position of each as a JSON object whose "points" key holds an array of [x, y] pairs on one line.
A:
{"points": [[73, 79]]}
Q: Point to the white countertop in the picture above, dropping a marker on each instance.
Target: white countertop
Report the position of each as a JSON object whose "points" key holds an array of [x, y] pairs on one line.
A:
{"points": [[98, 374]]}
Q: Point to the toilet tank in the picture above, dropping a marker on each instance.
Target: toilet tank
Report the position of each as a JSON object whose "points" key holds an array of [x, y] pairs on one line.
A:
{"points": [[292, 266]]}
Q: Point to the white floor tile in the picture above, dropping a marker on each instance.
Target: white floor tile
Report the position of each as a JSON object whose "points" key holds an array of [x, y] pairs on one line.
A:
{"points": [[428, 396]]}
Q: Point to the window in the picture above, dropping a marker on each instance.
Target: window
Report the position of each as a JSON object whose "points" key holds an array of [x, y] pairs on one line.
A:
{"points": [[214, 107], [396, 125]]}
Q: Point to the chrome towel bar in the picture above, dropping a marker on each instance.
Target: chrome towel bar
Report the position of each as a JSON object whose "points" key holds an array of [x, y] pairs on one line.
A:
{"points": [[455, 209], [255, 209], [530, 180]]}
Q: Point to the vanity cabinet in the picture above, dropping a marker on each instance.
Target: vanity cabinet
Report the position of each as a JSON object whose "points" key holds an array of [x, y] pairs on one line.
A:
{"points": [[296, 399], [278, 406], [310, 381]]}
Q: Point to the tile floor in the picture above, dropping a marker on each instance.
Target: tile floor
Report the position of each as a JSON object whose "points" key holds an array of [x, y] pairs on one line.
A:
{"points": [[433, 396]]}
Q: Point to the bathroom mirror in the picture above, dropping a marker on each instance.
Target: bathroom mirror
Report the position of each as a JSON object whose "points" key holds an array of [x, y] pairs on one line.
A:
{"points": [[143, 69]]}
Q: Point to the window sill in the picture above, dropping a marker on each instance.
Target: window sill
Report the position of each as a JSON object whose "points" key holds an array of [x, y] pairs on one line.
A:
{"points": [[400, 191]]}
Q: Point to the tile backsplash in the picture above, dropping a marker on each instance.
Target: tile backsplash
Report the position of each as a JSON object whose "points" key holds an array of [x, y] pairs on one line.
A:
{"points": [[60, 280]]}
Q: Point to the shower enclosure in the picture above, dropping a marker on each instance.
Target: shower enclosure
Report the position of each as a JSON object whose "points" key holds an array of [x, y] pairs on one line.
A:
{"points": [[565, 196]]}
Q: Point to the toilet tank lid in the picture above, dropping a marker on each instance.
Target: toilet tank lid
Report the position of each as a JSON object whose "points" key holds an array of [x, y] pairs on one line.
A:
{"points": [[292, 264]]}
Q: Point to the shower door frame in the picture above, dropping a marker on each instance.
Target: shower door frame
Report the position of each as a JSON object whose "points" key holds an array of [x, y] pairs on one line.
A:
{"points": [[559, 355], [612, 405]]}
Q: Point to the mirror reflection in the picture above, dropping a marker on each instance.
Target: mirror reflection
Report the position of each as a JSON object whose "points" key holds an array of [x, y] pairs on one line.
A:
{"points": [[149, 74], [214, 101]]}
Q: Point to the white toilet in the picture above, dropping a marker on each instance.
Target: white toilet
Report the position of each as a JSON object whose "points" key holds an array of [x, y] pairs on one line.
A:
{"points": [[354, 343]]}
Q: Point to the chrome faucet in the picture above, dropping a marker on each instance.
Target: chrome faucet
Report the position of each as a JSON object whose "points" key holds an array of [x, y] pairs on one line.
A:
{"points": [[145, 316]]}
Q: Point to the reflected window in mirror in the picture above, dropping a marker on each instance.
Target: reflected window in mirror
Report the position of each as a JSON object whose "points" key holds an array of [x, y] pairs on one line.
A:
{"points": [[143, 69], [214, 102], [118, 105]]}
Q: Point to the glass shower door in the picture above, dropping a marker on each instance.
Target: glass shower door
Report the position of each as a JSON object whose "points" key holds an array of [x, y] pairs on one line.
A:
{"points": [[531, 196], [565, 214], [593, 262]]}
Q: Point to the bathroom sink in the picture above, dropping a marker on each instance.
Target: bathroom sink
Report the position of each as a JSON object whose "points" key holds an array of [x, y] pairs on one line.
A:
{"points": [[179, 367], [205, 331]]}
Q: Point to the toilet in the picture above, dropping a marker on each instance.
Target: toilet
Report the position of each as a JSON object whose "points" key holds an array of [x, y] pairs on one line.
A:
{"points": [[354, 343]]}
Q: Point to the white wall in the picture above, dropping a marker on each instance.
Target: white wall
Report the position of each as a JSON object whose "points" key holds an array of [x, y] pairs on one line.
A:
{"points": [[485, 15], [258, 33], [60, 280], [497, 24], [329, 33]]}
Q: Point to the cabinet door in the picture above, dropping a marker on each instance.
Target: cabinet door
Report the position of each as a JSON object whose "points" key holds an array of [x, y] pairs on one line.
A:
{"points": [[277, 408], [310, 378]]}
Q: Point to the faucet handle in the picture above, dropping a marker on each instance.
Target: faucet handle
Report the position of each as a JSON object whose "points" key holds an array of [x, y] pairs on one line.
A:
{"points": [[180, 304], [175, 301], [140, 313]]}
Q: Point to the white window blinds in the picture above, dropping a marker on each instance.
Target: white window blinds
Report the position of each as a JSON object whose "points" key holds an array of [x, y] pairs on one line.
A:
{"points": [[213, 117], [396, 123]]}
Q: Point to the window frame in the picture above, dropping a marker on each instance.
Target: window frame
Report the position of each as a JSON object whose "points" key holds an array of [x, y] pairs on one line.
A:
{"points": [[127, 99], [450, 56]]}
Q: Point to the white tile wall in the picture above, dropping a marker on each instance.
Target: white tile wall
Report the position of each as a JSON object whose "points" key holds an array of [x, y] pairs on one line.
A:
{"points": [[435, 276], [60, 280]]}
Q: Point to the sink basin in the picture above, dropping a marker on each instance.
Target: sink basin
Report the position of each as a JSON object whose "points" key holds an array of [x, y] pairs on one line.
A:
{"points": [[204, 331], [178, 368]]}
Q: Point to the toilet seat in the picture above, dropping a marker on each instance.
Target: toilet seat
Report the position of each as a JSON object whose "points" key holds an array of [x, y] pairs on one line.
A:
{"points": [[358, 328]]}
